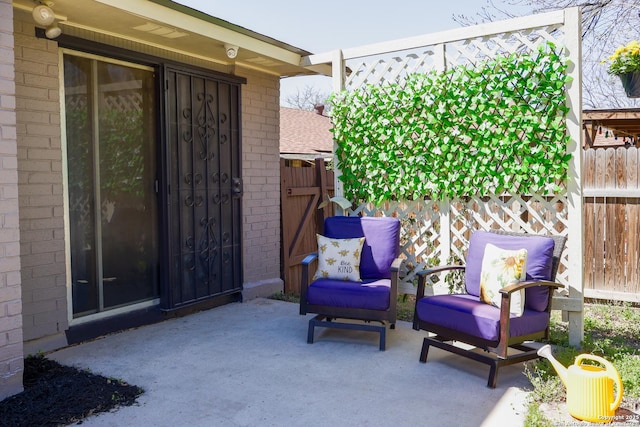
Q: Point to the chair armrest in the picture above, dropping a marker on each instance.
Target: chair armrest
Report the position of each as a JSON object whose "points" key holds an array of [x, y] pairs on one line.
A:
{"points": [[422, 283], [505, 307], [529, 284], [306, 262], [395, 265], [434, 270], [439, 269], [395, 276], [304, 283], [309, 259]]}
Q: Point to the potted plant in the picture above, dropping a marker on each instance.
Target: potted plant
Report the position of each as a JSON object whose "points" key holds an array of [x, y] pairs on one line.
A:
{"points": [[625, 63]]}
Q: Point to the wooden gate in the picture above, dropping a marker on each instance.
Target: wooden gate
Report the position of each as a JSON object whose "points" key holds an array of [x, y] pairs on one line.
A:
{"points": [[301, 189]]}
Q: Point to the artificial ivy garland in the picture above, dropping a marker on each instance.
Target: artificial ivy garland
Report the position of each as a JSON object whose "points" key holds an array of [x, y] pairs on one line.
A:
{"points": [[497, 127]]}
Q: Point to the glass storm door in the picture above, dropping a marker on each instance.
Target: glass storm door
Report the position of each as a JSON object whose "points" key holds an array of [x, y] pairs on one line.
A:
{"points": [[110, 111]]}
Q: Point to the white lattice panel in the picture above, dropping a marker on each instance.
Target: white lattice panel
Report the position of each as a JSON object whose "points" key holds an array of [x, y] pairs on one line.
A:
{"points": [[394, 67], [473, 51], [423, 221], [125, 102], [419, 240], [532, 214], [389, 68]]}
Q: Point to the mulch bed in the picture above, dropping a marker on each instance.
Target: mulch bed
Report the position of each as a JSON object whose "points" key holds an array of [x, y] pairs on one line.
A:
{"points": [[56, 395]]}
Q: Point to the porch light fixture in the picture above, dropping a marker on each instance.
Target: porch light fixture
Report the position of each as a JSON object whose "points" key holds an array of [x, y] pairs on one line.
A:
{"points": [[52, 31], [43, 15]]}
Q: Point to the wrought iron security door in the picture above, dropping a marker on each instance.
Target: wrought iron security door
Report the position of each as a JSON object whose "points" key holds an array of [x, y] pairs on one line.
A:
{"points": [[204, 188]]}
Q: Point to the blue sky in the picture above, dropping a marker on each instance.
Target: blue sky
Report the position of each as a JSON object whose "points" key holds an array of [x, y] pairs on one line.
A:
{"points": [[324, 25]]}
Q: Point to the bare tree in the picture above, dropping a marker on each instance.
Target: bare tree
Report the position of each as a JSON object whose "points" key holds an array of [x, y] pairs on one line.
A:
{"points": [[606, 24], [307, 99]]}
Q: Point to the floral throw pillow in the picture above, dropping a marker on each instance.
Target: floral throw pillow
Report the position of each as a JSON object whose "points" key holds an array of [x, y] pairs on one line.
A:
{"points": [[339, 259], [500, 268]]}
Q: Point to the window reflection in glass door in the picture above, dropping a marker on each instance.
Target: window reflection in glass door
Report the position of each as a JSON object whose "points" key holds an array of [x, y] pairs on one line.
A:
{"points": [[111, 158]]}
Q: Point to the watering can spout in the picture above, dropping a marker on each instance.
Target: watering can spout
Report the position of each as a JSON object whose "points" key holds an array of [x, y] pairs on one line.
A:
{"points": [[545, 351]]}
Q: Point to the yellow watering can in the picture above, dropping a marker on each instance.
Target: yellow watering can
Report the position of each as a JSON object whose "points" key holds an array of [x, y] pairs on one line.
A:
{"points": [[590, 391]]}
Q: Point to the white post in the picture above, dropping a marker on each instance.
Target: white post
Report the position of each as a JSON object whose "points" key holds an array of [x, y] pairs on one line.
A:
{"points": [[440, 64], [575, 242], [338, 79]]}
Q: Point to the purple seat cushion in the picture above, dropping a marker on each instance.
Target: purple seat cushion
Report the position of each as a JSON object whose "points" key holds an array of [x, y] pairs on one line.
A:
{"points": [[539, 262], [466, 313], [368, 294], [381, 245]]}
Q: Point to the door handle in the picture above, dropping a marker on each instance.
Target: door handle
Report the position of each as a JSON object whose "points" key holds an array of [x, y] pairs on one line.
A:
{"points": [[236, 187]]}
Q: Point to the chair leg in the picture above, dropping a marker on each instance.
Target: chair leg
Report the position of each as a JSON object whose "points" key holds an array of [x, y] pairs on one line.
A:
{"points": [[425, 351], [311, 331], [493, 375]]}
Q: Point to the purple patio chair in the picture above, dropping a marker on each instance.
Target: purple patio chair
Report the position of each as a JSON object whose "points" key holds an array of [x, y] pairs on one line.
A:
{"points": [[495, 329], [370, 298]]}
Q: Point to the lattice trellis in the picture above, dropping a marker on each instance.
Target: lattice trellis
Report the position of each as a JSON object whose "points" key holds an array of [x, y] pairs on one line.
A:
{"points": [[420, 238], [124, 101], [394, 67], [436, 232], [472, 51], [531, 214], [391, 68]]}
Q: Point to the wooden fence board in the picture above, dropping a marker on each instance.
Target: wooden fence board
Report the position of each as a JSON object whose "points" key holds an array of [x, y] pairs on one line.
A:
{"points": [[589, 247], [633, 247], [599, 238], [632, 167], [619, 240]]}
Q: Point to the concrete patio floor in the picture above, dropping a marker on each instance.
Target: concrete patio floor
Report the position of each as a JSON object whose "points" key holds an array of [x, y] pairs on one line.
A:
{"points": [[248, 364]]}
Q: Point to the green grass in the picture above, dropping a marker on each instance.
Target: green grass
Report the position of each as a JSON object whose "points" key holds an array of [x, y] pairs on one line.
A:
{"points": [[536, 418], [280, 296]]}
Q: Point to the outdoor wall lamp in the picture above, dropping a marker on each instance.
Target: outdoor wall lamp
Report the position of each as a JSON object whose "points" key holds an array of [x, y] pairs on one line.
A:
{"points": [[43, 15], [52, 31], [232, 51]]}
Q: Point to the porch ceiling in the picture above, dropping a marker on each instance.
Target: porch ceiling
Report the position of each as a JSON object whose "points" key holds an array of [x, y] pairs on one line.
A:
{"points": [[163, 23], [622, 122]]}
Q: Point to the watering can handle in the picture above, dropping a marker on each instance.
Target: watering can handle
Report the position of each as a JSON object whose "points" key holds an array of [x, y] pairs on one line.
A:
{"points": [[612, 373]]}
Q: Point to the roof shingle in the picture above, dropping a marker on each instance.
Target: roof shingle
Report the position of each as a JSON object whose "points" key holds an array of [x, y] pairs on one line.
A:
{"points": [[304, 132]]}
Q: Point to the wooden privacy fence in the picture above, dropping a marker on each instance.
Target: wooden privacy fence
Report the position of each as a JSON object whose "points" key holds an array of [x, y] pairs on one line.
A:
{"points": [[301, 189], [611, 216]]}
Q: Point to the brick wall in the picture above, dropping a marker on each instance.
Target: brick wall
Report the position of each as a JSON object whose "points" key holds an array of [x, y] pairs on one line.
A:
{"points": [[44, 291], [261, 179], [40, 180], [11, 348]]}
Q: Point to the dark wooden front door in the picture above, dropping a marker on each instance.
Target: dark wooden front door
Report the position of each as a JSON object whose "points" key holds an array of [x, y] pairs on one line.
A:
{"points": [[204, 188]]}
